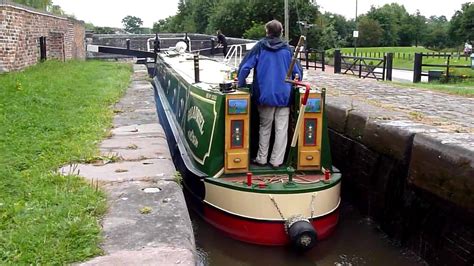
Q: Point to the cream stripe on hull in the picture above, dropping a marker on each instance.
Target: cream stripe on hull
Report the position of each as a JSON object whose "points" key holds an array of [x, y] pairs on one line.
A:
{"points": [[260, 206]]}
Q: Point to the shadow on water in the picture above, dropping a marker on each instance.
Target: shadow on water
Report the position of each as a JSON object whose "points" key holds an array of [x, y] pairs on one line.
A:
{"points": [[356, 241]]}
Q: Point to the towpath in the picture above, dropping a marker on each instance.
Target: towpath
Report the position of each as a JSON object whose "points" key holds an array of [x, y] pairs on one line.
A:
{"points": [[147, 222]]}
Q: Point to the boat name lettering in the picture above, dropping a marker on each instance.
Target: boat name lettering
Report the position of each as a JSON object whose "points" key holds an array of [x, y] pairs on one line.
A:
{"points": [[211, 96], [195, 113], [192, 137]]}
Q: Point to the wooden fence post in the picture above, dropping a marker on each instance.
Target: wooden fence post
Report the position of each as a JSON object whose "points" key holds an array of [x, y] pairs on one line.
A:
{"points": [[323, 57], [447, 70], [337, 61], [389, 66], [417, 67]]}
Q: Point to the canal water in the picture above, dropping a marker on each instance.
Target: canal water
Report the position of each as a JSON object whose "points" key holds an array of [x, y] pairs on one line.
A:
{"points": [[356, 241]]}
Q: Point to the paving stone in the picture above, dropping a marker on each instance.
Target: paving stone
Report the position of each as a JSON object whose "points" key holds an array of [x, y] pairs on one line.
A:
{"points": [[124, 171], [163, 234], [146, 257]]}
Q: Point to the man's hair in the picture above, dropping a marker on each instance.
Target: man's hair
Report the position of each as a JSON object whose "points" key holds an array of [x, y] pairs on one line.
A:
{"points": [[273, 28]]}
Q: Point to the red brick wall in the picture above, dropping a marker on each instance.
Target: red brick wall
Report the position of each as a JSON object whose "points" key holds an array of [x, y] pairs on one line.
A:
{"points": [[21, 28]]}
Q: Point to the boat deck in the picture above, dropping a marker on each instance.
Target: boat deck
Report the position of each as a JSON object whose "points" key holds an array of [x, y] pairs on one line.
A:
{"points": [[277, 178]]}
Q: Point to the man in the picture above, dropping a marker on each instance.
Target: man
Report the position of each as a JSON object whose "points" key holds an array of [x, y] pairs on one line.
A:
{"points": [[222, 41], [271, 59]]}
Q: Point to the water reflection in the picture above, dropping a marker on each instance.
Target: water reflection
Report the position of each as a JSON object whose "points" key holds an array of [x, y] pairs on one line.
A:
{"points": [[357, 241]]}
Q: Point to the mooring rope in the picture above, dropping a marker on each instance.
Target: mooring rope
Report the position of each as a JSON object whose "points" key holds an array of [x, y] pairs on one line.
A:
{"points": [[276, 206]]}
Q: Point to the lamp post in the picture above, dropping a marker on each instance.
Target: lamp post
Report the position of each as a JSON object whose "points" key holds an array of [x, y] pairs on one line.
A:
{"points": [[355, 34], [287, 22]]}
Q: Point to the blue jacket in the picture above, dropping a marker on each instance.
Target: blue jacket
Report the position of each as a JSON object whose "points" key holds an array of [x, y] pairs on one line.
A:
{"points": [[270, 58]]}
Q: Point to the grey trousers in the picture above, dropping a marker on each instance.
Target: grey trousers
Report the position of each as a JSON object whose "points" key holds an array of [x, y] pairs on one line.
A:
{"points": [[267, 115]]}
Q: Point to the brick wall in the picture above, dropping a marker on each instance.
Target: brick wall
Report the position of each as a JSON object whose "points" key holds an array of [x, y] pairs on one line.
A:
{"points": [[21, 28]]}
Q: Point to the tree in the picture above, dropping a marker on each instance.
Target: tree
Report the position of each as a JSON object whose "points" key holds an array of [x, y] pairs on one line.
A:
{"points": [[256, 32], [437, 32], [343, 27], [390, 17], [461, 26], [55, 9], [39, 4], [370, 32], [132, 24]]}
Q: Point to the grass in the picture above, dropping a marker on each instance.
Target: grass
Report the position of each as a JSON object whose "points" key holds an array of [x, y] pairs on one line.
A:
{"points": [[52, 114], [465, 88]]}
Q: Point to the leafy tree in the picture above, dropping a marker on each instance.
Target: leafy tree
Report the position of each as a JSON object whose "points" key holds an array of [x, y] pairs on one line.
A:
{"points": [[330, 38], [370, 32], [55, 9], [390, 17], [343, 27], [461, 26], [437, 32], [39, 4], [89, 26], [132, 24], [104, 30], [231, 18], [256, 32]]}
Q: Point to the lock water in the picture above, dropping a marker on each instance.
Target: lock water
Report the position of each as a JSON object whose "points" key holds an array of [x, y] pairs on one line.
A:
{"points": [[356, 241]]}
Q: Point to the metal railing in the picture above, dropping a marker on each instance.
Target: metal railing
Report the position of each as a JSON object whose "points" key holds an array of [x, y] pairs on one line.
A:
{"points": [[311, 58], [234, 54]]}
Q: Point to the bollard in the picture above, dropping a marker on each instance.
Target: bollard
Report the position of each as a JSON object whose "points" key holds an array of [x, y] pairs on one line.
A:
{"points": [[249, 179], [128, 43], [213, 45]]}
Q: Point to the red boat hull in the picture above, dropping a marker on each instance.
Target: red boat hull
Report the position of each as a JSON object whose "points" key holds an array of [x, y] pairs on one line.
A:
{"points": [[271, 233]]}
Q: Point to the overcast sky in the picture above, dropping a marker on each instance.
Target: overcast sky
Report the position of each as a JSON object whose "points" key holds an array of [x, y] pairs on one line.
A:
{"points": [[111, 12]]}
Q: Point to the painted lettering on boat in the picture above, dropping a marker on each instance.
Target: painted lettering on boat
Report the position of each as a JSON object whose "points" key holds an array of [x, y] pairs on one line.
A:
{"points": [[192, 138], [195, 113], [211, 96]]}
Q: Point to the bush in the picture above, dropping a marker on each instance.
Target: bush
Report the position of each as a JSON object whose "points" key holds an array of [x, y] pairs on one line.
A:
{"points": [[257, 31]]}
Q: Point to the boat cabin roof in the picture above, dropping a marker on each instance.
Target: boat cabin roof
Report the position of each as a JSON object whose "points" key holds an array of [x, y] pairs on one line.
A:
{"points": [[211, 71]]}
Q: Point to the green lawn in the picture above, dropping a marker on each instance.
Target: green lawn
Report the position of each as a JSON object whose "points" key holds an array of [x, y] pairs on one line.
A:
{"points": [[462, 88], [52, 114]]}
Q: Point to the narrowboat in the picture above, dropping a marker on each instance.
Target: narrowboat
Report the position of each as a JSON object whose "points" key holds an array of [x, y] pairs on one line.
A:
{"points": [[212, 131]]}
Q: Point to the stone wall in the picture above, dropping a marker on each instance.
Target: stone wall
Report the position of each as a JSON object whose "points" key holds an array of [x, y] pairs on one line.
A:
{"points": [[20, 30], [416, 182]]}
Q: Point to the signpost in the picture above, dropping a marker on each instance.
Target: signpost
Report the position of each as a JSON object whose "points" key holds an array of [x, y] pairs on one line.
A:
{"points": [[355, 34]]}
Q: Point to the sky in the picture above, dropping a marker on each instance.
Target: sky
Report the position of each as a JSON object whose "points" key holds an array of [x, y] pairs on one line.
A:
{"points": [[111, 12]]}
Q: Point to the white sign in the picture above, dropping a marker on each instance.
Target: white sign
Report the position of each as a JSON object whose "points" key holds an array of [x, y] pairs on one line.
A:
{"points": [[92, 48], [355, 34]]}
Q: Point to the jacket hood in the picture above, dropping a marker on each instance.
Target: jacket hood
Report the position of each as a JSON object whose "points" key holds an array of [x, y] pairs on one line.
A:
{"points": [[272, 43]]}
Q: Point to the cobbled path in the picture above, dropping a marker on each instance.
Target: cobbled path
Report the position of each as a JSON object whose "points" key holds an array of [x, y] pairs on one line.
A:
{"points": [[451, 112]]}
